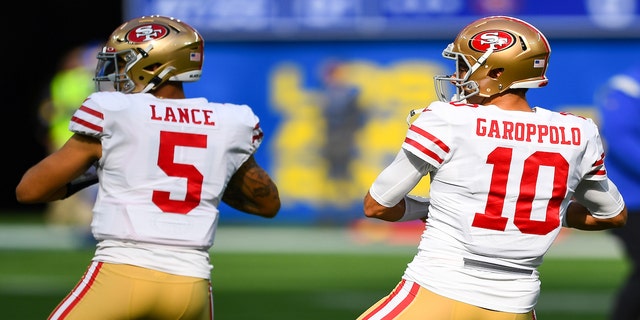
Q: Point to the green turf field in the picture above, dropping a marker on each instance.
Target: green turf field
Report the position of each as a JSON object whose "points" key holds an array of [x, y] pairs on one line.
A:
{"points": [[300, 286]]}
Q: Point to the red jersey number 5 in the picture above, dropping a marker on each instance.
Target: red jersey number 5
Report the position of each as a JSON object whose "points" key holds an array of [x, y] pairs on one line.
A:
{"points": [[168, 143]]}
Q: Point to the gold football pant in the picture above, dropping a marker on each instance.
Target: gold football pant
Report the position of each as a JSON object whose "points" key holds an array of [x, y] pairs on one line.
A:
{"points": [[409, 301], [120, 291]]}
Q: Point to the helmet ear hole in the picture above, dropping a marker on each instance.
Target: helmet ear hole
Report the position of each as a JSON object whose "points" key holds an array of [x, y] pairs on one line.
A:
{"points": [[496, 73], [523, 44], [152, 67]]}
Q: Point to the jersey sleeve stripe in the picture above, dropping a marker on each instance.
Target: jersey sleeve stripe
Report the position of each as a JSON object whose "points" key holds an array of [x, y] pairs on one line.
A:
{"points": [[598, 172], [88, 118], [598, 168], [600, 161], [92, 112], [86, 124], [429, 136], [257, 133], [423, 149]]}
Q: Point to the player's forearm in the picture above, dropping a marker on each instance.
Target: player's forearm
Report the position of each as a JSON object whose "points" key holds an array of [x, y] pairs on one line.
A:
{"points": [[264, 207], [373, 209], [39, 184], [579, 217], [31, 196], [408, 209], [251, 190]]}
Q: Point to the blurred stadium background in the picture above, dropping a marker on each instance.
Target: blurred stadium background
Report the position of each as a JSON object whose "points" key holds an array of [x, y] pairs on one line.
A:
{"points": [[332, 81]]}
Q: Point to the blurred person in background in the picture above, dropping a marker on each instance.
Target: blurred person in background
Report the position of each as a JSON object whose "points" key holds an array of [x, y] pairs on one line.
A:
{"points": [[619, 114], [339, 100], [342, 113], [505, 177], [70, 85], [164, 162]]}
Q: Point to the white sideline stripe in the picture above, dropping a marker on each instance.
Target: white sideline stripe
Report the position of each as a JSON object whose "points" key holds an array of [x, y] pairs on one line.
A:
{"points": [[579, 244]]}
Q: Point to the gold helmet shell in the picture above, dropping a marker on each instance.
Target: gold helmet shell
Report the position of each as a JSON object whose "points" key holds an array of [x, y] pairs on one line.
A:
{"points": [[510, 46], [144, 52]]}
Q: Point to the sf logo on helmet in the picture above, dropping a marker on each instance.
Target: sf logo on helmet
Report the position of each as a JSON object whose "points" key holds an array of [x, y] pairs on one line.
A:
{"points": [[147, 33], [496, 40]]}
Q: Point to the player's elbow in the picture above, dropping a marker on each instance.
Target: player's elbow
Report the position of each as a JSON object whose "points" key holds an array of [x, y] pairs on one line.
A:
{"points": [[27, 195], [373, 209], [620, 220], [271, 209], [22, 197], [264, 207], [370, 206]]}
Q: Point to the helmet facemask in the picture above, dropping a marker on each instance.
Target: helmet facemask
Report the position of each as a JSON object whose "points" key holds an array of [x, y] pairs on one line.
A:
{"points": [[111, 71], [463, 87]]}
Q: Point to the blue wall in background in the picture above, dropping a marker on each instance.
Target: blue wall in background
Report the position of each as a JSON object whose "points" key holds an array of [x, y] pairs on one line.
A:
{"points": [[282, 82]]}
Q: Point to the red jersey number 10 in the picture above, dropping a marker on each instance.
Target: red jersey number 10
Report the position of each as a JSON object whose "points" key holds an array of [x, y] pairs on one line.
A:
{"points": [[501, 159]]}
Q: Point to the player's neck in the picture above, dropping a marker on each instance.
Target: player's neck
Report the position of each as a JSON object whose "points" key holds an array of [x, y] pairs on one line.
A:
{"points": [[170, 90], [509, 101]]}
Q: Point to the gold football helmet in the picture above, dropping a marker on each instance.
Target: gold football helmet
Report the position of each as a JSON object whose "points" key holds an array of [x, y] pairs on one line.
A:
{"points": [[494, 54], [145, 52]]}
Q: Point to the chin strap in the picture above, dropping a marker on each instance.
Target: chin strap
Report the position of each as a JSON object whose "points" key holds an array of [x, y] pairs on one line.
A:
{"points": [[481, 60], [157, 79]]}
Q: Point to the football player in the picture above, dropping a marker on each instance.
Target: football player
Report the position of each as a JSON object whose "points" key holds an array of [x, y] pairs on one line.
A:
{"points": [[164, 163], [505, 176]]}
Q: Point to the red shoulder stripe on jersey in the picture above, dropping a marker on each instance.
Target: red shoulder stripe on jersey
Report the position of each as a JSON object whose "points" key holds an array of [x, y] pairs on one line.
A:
{"points": [[86, 124], [599, 162], [257, 133], [92, 112], [598, 172], [257, 137], [431, 137], [423, 149]]}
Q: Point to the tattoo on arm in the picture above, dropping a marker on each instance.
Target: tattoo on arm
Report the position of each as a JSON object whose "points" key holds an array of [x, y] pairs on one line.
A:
{"points": [[250, 189]]}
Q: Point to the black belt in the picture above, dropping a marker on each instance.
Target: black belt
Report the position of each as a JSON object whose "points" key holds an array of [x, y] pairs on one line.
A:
{"points": [[494, 267]]}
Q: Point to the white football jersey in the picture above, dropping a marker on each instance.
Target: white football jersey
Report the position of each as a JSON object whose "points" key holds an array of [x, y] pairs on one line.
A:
{"points": [[502, 186], [164, 167]]}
